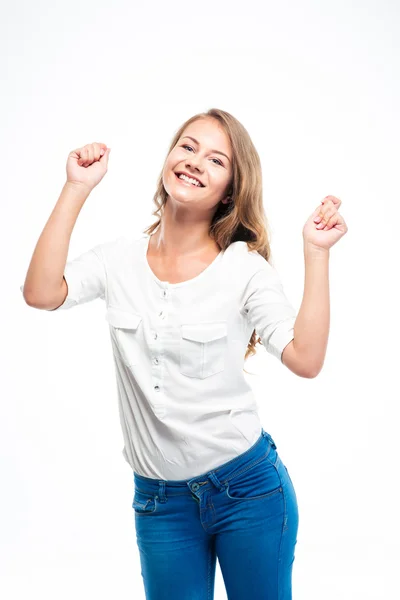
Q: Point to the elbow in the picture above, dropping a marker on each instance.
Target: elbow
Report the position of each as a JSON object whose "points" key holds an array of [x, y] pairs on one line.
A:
{"points": [[28, 299], [309, 375], [34, 302], [301, 365], [312, 372], [309, 366], [28, 296]]}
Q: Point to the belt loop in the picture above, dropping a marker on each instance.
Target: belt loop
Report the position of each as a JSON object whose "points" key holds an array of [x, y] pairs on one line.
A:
{"points": [[267, 435], [161, 491], [216, 481]]}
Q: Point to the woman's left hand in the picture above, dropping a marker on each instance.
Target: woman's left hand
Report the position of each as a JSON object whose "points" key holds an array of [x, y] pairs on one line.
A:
{"points": [[330, 227]]}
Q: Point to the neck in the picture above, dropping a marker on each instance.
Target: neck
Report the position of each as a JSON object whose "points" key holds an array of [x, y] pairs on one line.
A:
{"points": [[175, 238]]}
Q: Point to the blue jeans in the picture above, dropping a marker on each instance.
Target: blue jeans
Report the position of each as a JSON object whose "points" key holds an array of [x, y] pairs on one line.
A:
{"points": [[244, 512]]}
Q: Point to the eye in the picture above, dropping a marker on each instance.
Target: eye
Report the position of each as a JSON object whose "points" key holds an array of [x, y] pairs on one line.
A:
{"points": [[218, 161]]}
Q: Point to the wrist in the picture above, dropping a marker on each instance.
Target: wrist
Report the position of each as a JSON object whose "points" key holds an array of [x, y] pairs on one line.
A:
{"points": [[311, 249], [78, 188]]}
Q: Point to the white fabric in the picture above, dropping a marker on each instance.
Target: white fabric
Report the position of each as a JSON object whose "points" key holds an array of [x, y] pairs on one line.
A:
{"points": [[184, 404]]}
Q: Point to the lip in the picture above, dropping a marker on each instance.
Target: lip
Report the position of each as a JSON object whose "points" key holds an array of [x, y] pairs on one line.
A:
{"points": [[188, 175]]}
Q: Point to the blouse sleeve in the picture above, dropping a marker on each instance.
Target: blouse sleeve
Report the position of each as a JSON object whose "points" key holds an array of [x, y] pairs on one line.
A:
{"points": [[86, 278], [269, 311]]}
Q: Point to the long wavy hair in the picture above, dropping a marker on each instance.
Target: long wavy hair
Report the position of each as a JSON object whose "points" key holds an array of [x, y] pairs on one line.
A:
{"points": [[243, 218]]}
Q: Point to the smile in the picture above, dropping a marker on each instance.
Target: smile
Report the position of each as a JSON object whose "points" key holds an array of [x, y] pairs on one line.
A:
{"points": [[182, 179]]}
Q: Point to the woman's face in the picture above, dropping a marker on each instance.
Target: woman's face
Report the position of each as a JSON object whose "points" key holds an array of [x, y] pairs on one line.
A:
{"points": [[202, 160]]}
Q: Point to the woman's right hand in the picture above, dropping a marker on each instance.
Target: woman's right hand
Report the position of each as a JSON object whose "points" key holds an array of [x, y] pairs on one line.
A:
{"points": [[87, 166]]}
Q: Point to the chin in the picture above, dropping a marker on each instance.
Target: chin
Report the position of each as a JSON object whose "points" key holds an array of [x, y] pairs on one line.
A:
{"points": [[180, 199]]}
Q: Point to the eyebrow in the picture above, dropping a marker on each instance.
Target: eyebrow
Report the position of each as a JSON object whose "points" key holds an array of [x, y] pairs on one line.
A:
{"points": [[215, 151]]}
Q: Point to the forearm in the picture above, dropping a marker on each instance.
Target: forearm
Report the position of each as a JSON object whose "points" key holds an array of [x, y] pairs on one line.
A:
{"points": [[46, 269], [311, 328]]}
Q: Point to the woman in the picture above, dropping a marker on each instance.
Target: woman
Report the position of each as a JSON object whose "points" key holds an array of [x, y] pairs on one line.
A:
{"points": [[184, 303]]}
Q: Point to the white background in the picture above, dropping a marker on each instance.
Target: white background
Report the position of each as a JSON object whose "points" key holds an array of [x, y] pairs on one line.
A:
{"points": [[316, 84]]}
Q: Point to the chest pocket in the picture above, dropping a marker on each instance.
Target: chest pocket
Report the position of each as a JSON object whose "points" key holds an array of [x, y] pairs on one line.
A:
{"points": [[125, 327], [203, 349]]}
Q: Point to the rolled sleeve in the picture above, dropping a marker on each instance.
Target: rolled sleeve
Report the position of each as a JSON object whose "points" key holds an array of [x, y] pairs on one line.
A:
{"points": [[86, 279], [269, 310]]}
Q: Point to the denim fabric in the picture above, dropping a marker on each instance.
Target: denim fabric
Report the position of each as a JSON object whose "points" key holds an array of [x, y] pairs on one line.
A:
{"points": [[244, 512]]}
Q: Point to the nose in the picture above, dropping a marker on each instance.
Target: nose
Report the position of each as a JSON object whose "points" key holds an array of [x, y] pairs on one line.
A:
{"points": [[194, 162]]}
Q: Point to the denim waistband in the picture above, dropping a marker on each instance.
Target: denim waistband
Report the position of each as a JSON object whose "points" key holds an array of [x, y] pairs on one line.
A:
{"points": [[218, 476]]}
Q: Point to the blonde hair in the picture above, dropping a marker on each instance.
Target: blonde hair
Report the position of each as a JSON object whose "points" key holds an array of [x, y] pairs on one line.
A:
{"points": [[243, 218]]}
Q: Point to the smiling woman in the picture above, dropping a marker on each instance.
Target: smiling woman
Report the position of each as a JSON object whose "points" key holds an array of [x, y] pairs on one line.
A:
{"points": [[195, 162], [183, 304]]}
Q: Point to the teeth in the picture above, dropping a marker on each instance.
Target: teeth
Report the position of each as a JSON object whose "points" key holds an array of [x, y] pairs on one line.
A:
{"points": [[190, 180]]}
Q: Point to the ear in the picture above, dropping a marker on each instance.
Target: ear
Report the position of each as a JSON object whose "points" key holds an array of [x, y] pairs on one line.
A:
{"points": [[226, 200]]}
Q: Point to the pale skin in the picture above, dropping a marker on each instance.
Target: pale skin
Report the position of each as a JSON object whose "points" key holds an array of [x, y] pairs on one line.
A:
{"points": [[182, 242], [305, 354]]}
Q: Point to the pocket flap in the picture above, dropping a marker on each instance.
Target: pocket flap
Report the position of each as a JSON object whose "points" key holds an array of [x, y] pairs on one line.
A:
{"points": [[122, 319], [204, 332]]}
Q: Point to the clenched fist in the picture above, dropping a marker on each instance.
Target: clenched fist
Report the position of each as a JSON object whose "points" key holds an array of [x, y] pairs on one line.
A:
{"points": [[87, 165]]}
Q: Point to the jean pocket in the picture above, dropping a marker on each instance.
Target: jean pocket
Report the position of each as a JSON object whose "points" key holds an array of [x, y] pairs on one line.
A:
{"points": [[202, 349], [258, 481], [125, 327], [143, 503]]}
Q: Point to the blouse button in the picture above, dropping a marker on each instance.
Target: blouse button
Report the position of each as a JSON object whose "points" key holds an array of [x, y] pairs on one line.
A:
{"points": [[156, 361], [155, 336], [157, 388]]}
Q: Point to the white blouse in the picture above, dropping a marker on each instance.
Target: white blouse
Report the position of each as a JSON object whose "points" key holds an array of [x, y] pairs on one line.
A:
{"points": [[184, 404]]}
